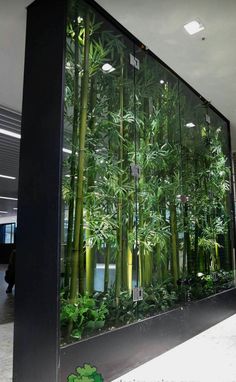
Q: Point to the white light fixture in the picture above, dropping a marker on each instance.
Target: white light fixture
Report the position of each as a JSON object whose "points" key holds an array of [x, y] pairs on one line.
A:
{"points": [[107, 68], [7, 198], [193, 27], [7, 177], [15, 208], [10, 133], [69, 176], [3, 212], [69, 66], [190, 124], [162, 82], [18, 136], [66, 151]]}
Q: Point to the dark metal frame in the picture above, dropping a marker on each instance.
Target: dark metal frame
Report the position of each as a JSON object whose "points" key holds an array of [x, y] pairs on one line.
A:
{"points": [[37, 353], [36, 336]]}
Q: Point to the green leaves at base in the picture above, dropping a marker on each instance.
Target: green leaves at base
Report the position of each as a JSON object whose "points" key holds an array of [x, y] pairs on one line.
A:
{"points": [[87, 373]]}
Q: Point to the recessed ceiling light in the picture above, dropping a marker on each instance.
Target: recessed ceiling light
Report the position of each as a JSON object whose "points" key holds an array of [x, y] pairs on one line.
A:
{"points": [[7, 198], [107, 68], [193, 27], [190, 124], [3, 212], [7, 177], [69, 176], [10, 133], [66, 151]]}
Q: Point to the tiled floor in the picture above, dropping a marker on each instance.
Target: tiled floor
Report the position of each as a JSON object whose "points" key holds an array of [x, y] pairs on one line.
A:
{"points": [[6, 329], [6, 352], [208, 357]]}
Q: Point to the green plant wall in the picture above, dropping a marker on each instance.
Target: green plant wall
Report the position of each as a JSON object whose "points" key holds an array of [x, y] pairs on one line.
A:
{"points": [[146, 184]]}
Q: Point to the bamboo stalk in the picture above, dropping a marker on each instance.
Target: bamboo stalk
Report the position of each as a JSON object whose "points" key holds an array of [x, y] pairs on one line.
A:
{"points": [[187, 245], [81, 259], [119, 253], [174, 243], [106, 272], [217, 257], [80, 168], [159, 262], [129, 255], [68, 254], [90, 251]]}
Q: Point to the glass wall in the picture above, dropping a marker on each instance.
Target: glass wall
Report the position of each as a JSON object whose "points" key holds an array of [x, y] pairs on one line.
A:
{"points": [[7, 233], [146, 207]]}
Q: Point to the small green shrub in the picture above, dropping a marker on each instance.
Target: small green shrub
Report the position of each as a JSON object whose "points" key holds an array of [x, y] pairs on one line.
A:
{"points": [[124, 313], [202, 285], [156, 299], [87, 373], [86, 314]]}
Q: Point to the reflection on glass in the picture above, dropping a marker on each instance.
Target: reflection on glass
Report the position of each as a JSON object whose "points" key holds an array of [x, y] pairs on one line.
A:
{"points": [[145, 184]]}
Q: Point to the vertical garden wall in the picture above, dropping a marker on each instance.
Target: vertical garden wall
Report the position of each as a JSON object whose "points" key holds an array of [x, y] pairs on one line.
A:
{"points": [[146, 184], [125, 201]]}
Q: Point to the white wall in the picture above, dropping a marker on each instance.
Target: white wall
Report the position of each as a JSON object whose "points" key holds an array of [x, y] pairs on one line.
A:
{"points": [[8, 219]]}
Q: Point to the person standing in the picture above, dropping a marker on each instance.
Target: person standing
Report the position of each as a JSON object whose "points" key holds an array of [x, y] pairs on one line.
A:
{"points": [[10, 272]]}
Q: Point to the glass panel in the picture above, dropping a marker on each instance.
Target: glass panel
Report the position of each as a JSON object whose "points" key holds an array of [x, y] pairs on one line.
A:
{"points": [[7, 232], [221, 179], [98, 190], [158, 156], [205, 185], [146, 202]]}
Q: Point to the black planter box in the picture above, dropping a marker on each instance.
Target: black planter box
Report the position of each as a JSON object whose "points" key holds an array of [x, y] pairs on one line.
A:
{"points": [[115, 353]]}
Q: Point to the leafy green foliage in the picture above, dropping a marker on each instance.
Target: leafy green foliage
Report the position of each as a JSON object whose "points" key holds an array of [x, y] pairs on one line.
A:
{"points": [[203, 285], [87, 373], [86, 314], [156, 299]]}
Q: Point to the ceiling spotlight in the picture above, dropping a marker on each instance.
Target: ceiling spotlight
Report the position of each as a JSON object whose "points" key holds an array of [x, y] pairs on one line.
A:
{"points": [[107, 68], [190, 124], [193, 27]]}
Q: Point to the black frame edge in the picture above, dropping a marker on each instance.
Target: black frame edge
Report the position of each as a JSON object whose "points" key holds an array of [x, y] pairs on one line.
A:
{"points": [[36, 333]]}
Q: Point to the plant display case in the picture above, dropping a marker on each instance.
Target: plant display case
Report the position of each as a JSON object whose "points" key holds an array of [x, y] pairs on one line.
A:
{"points": [[146, 181], [125, 200]]}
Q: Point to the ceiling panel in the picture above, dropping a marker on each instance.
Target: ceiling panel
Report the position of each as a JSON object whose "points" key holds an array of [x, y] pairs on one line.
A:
{"points": [[9, 160]]}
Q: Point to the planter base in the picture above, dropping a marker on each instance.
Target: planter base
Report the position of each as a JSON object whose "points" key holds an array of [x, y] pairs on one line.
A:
{"points": [[115, 353]]}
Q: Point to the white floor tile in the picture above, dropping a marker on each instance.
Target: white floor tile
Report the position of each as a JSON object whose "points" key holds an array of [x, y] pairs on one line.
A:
{"points": [[208, 357]]}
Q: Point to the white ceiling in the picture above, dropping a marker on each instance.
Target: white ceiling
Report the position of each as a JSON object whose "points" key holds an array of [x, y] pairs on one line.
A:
{"points": [[209, 65]]}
